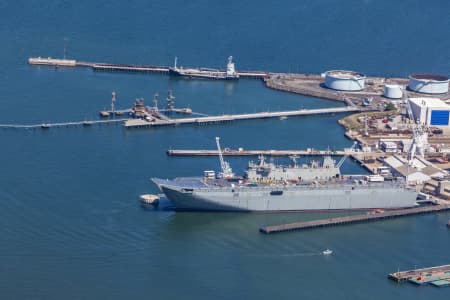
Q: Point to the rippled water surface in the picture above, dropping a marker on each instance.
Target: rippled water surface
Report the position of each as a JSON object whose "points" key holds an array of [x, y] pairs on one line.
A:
{"points": [[71, 226]]}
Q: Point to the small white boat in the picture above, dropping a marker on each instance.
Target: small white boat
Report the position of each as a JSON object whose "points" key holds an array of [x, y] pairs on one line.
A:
{"points": [[327, 252], [149, 199], [283, 117]]}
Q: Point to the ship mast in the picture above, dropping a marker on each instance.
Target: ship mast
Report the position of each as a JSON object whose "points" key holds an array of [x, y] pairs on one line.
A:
{"points": [[227, 172]]}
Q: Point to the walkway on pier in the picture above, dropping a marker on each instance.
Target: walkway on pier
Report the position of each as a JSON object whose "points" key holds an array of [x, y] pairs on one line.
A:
{"points": [[354, 219], [128, 68], [224, 118], [242, 152], [61, 124]]}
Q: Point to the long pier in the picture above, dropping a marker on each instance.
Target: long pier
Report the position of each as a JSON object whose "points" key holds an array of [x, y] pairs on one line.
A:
{"points": [[136, 123], [354, 219], [163, 120], [131, 68], [62, 124], [243, 152]]}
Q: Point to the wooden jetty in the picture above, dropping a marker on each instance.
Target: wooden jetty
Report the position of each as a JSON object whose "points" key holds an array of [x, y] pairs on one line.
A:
{"points": [[354, 219], [136, 123], [437, 276]]}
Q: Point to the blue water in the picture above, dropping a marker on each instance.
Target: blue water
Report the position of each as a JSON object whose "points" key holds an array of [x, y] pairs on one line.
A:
{"points": [[70, 223]]}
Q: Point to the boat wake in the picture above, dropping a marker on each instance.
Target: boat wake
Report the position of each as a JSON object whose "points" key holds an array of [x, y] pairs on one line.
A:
{"points": [[301, 254]]}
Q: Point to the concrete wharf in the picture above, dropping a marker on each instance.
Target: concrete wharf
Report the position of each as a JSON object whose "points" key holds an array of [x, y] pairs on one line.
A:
{"points": [[437, 276], [354, 219], [136, 123], [62, 124], [402, 276], [356, 155]]}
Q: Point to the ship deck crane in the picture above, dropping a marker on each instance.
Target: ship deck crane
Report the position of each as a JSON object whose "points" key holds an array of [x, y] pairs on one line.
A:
{"points": [[342, 160], [227, 172]]}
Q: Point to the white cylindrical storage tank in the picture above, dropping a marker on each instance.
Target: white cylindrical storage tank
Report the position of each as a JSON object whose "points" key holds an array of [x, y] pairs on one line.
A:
{"points": [[393, 91], [428, 83], [342, 80]]}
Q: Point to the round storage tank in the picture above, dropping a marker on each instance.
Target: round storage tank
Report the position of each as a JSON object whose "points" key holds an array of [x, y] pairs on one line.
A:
{"points": [[344, 80], [428, 83], [393, 91]]}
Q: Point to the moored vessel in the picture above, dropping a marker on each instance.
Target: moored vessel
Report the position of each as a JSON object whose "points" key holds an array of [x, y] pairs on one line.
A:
{"points": [[229, 73], [269, 187]]}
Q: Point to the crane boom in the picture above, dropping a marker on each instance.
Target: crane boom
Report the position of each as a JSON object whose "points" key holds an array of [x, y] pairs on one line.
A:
{"points": [[420, 138], [227, 172], [339, 164], [222, 162]]}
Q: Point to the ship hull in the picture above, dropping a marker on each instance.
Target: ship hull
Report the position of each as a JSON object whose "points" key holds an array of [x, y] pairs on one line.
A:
{"points": [[290, 199]]}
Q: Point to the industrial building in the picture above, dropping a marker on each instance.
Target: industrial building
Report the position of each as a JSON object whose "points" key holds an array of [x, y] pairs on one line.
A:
{"points": [[428, 83], [342, 80], [416, 172], [430, 111], [389, 146]]}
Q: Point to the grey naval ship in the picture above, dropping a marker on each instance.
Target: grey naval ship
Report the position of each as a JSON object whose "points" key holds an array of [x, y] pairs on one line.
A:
{"points": [[266, 186]]}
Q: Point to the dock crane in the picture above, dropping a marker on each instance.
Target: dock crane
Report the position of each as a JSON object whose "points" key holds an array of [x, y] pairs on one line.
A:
{"points": [[420, 138], [170, 100], [155, 101], [227, 172]]}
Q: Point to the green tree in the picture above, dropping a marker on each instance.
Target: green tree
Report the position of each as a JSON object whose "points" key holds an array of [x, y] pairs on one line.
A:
{"points": [[390, 106]]}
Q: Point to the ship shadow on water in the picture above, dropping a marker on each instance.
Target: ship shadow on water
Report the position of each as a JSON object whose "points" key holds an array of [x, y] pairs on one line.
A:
{"points": [[191, 221]]}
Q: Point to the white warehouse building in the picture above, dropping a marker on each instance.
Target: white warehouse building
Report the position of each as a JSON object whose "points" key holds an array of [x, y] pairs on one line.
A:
{"points": [[430, 111]]}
